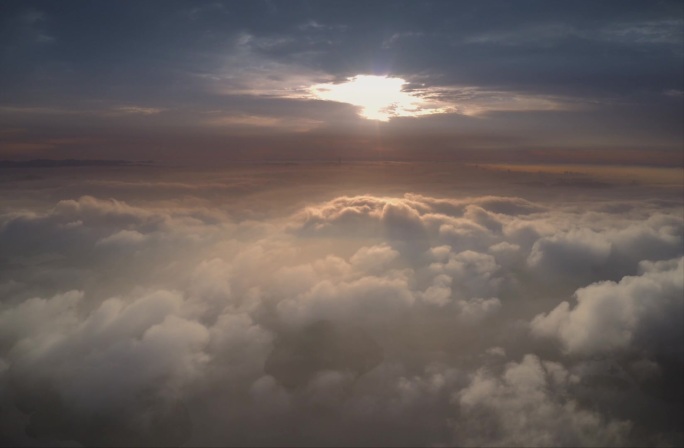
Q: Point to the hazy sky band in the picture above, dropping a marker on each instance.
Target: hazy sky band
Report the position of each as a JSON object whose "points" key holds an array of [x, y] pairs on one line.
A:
{"points": [[233, 80]]}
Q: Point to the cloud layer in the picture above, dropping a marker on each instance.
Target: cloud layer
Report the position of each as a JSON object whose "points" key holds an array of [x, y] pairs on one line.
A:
{"points": [[463, 319]]}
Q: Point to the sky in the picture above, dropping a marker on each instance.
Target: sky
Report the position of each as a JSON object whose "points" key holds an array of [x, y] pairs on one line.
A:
{"points": [[341, 224], [214, 82]]}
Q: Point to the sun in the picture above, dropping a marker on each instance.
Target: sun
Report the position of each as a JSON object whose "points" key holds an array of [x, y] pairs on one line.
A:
{"points": [[378, 97]]}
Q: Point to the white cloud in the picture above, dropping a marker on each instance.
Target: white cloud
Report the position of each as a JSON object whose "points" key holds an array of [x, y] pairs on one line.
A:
{"points": [[374, 258], [368, 300], [640, 312], [123, 237]]}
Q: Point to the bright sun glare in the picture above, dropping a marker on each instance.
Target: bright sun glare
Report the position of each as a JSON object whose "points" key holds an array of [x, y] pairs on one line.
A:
{"points": [[379, 97]]}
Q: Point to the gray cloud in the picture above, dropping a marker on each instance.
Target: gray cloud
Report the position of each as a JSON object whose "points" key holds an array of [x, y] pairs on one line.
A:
{"points": [[241, 71], [528, 405]]}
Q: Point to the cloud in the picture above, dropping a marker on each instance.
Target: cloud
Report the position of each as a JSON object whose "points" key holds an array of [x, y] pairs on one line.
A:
{"points": [[638, 313], [238, 71], [576, 253], [265, 121], [123, 237], [527, 405], [234, 308], [381, 97], [368, 299], [137, 110], [666, 31], [99, 366], [320, 347], [373, 258]]}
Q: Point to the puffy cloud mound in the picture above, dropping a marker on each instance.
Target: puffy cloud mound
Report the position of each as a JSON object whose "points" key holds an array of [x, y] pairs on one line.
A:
{"points": [[642, 312], [80, 371], [367, 320], [528, 405]]}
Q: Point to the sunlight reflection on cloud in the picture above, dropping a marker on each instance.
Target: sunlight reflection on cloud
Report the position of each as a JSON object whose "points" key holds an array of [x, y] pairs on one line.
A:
{"points": [[379, 97]]}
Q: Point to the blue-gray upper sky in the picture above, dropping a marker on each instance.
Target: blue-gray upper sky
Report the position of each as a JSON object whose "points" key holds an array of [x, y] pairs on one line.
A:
{"points": [[563, 81]]}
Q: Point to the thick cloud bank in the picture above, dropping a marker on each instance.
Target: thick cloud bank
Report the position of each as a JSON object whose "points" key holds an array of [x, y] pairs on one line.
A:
{"points": [[359, 320]]}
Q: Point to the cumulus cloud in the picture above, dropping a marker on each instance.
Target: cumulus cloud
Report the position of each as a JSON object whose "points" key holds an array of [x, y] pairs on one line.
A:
{"points": [[528, 405], [100, 364], [183, 318], [640, 312]]}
